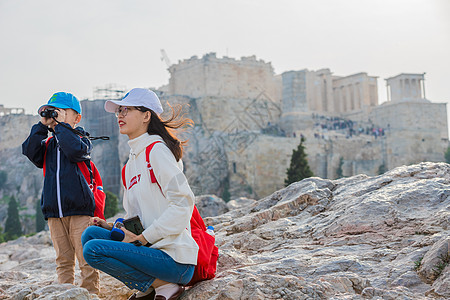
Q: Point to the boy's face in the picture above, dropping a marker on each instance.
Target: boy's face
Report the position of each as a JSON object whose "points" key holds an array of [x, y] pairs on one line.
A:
{"points": [[72, 117], [67, 115]]}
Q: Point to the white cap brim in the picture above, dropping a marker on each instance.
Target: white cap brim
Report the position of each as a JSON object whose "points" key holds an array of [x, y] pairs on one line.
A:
{"points": [[112, 105], [137, 97]]}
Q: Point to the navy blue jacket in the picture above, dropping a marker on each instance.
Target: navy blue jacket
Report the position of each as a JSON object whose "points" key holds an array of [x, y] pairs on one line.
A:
{"points": [[66, 191]]}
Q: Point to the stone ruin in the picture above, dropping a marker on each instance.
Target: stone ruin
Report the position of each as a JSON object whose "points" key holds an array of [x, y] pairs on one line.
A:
{"points": [[248, 120]]}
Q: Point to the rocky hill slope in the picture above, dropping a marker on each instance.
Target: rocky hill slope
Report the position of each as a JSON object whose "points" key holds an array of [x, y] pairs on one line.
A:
{"points": [[383, 237]]}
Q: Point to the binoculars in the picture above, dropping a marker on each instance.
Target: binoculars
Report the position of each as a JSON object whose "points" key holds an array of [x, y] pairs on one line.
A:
{"points": [[49, 112]]}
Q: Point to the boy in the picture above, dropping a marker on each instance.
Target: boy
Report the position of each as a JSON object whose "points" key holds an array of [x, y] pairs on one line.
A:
{"points": [[67, 201]]}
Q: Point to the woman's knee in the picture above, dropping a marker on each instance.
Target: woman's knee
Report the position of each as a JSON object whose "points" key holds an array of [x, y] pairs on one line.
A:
{"points": [[89, 252], [87, 235], [94, 232], [187, 275]]}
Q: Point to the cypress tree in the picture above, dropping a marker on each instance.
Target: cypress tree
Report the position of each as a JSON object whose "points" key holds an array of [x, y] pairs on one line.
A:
{"points": [[3, 178], [299, 168], [111, 205], [13, 228], [40, 220]]}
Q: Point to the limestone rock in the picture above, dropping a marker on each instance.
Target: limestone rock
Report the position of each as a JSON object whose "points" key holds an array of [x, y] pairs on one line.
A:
{"points": [[239, 202], [441, 287], [434, 261], [210, 205], [354, 238]]}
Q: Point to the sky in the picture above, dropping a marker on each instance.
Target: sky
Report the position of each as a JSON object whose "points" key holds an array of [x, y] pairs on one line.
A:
{"points": [[49, 46]]}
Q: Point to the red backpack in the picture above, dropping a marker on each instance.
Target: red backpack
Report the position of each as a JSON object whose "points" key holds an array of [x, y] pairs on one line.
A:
{"points": [[94, 180], [208, 253]]}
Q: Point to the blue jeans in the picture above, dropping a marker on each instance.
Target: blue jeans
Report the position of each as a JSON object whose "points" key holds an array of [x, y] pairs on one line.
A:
{"points": [[137, 267]]}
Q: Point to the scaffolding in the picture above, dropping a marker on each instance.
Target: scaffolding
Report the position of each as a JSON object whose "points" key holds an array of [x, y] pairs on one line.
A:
{"points": [[109, 92], [97, 122], [210, 147]]}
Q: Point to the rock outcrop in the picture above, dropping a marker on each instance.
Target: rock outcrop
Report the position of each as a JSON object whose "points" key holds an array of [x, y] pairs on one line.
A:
{"points": [[210, 205], [382, 237]]}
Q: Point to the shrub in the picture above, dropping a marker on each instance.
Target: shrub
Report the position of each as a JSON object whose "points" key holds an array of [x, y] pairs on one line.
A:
{"points": [[111, 205], [13, 227]]}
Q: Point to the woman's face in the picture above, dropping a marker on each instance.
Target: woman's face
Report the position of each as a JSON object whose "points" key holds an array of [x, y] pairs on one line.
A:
{"points": [[132, 122]]}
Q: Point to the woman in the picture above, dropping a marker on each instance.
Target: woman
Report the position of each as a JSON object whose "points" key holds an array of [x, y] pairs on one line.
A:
{"points": [[166, 261]]}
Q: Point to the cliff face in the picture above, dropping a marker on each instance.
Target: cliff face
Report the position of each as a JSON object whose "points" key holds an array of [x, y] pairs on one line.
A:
{"points": [[24, 180], [383, 237]]}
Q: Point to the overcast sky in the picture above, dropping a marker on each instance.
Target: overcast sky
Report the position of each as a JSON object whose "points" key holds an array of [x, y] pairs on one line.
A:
{"points": [[74, 46]]}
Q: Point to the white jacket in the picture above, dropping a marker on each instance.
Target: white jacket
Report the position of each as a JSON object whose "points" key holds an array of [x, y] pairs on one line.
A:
{"points": [[166, 219]]}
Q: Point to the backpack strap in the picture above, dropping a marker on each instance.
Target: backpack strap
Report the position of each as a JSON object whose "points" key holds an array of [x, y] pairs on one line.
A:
{"points": [[149, 167], [97, 179], [45, 153], [86, 168], [123, 176]]}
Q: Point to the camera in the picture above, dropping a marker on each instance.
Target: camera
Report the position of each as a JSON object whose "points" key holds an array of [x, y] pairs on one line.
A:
{"points": [[49, 112], [134, 225]]}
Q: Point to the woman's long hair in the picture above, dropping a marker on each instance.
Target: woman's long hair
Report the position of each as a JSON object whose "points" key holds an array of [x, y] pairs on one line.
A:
{"points": [[166, 128]]}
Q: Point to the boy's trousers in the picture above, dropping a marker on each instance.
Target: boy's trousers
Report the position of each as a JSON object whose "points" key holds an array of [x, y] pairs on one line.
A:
{"points": [[66, 237]]}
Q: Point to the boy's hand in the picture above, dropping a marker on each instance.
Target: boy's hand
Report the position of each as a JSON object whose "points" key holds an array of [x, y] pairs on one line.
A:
{"points": [[48, 122], [51, 123], [61, 115]]}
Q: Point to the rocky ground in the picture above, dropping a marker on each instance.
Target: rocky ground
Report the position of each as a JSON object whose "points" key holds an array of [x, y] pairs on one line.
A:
{"points": [[382, 237]]}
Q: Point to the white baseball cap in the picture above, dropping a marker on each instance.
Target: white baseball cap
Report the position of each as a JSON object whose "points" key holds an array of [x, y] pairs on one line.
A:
{"points": [[136, 97]]}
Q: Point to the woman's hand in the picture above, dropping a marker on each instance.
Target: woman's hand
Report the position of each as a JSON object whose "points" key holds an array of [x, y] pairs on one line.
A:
{"points": [[131, 237], [96, 221]]}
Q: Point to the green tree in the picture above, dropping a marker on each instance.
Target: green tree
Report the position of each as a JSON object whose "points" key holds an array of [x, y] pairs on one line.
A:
{"points": [[3, 178], [2, 235], [40, 220], [111, 205], [299, 168], [13, 227], [381, 169], [447, 155]]}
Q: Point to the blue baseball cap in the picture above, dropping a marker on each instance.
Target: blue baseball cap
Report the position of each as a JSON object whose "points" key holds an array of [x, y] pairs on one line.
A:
{"points": [[62, 100]]}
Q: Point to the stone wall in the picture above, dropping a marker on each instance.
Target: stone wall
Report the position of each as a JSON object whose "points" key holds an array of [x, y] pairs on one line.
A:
{"points": [[261, 167], [360, 154], [417, 131], [223, 77], [413, 115]]}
